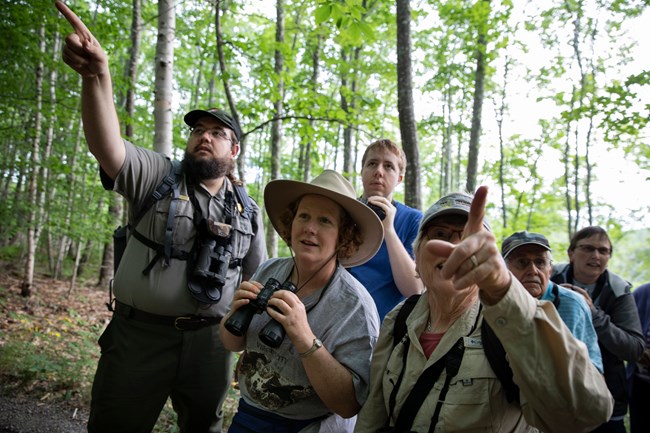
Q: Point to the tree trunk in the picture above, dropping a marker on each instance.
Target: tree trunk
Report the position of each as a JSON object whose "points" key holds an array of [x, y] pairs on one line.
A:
{"points": [[164, 68], [500, 111], [33, 230], [446, 157], [276, 125], [577, 54], [345, 106], [16, 203], [567, 173], [108, 254], [315, 72], [131, 71], [75, 269], [477, 108], [194, 99], [64, 241], [115, 208], [407, 124], [47, 195], [85, 254], [588, 167], [241, 160]]}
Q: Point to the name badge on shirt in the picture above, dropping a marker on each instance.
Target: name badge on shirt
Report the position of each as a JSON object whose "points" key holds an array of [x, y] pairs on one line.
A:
{"points": [[473, 342]]}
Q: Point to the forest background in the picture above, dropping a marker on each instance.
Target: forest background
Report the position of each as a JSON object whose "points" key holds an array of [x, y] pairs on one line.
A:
{"points": [[313, 82], [545, 102], [540, 100]]}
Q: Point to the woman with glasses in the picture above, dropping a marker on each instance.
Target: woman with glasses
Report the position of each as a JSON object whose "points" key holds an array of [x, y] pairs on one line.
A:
{"points": [[438, 376], [613, 310]]}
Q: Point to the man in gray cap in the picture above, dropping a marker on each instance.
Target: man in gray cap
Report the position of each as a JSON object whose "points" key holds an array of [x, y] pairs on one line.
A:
{"points": [[528, 257], [189, 249]]}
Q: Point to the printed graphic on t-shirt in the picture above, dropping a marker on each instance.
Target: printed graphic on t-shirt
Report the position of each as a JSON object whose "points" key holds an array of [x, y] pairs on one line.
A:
{"points": [[267, 386]]}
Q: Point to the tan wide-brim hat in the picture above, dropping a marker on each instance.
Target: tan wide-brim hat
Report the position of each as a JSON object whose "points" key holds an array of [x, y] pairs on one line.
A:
{"points": [[279, 194]]}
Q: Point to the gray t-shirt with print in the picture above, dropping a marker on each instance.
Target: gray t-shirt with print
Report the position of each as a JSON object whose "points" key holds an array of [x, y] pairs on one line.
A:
{"points": [[342, 315]]}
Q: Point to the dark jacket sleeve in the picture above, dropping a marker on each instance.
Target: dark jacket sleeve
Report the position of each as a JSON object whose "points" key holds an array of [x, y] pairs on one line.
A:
{"points": [[616, 320], [620, 331]]}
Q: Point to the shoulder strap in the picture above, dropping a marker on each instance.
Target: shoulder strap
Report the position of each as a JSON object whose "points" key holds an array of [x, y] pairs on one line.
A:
{"points": [[170, 183], [496, 356], [555, 290], [451, 362], [171, 215], [399, 331], [243, 199], [399, 328], [162, 190]]}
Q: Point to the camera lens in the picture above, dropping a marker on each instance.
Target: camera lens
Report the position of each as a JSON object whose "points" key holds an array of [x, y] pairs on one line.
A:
{"points": [[376, 209]]}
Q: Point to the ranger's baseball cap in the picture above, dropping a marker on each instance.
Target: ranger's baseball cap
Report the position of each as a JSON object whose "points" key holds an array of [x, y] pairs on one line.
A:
{"points": [[222, 116]]}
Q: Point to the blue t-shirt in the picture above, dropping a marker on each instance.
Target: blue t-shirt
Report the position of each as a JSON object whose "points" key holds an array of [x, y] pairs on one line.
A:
{"points": [[376, 274], [576, 315]]}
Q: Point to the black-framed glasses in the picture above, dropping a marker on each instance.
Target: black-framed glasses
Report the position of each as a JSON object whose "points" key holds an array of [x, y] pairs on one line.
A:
{"points": [[214, 133], [522, 263], [589, 249], [441, 233]]}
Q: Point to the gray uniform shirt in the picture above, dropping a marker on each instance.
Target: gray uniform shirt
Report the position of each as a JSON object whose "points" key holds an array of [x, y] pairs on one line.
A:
{"points": [[164, 290]]}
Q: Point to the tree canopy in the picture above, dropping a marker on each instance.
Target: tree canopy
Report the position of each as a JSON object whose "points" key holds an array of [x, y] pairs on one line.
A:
{"points": [[329, 87]]}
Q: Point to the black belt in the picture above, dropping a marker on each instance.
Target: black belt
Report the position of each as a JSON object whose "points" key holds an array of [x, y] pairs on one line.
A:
{"points": [[182, 323]]}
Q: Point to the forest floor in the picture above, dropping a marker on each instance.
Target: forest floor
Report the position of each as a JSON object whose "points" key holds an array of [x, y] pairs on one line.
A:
{"points": [[48, 355], [37, 393]]}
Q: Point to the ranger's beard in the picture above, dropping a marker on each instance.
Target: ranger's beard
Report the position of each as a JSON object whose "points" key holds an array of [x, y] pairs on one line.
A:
{"points": [[206, 168]]}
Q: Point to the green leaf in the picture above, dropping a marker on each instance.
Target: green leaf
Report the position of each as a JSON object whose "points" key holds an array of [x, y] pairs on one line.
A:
{"points": [[323, 13]]}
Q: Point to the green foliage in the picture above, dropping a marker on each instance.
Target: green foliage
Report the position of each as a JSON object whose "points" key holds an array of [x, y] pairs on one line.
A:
{"points": [[60, 353], [353, 43], [631, 256]]}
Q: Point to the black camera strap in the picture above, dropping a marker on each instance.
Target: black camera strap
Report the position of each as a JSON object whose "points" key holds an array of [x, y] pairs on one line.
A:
{"points": [[228, 207], [450, 362], [212, 250]]}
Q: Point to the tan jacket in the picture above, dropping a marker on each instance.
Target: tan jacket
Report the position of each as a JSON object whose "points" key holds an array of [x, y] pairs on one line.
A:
{"points": [[561, 390]]}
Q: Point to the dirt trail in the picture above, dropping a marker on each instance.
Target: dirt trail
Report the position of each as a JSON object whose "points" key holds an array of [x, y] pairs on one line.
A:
{"points": [[25, 414]]}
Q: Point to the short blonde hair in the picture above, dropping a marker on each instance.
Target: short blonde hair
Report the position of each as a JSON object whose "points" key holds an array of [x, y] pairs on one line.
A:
{"points": [[392, 147]]}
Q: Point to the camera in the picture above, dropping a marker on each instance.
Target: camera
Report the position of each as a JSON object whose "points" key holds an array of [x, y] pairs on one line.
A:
{"points": [[376, 209], [273, 333], [209, 274]]}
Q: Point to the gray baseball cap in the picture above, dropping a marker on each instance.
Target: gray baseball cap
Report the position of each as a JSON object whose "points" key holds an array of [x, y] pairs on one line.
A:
{"points": [[524, 237], [457, 203], [222, 116]]}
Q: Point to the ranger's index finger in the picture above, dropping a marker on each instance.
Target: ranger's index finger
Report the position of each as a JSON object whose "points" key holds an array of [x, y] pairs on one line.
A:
{"points": [[79, 27], [477, 212]]}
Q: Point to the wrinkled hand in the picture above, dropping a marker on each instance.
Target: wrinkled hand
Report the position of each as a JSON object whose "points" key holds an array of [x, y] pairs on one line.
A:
{"points": [[289, 311], [82, 51], [387, 207], [584, 294], [476, 259]]}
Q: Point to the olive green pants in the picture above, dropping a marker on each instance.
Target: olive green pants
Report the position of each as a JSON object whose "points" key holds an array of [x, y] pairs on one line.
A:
{"points": [[143, 364]]}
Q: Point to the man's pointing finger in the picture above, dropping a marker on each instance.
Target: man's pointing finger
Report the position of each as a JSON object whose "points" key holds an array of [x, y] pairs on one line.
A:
{"points": [[79, 27]]}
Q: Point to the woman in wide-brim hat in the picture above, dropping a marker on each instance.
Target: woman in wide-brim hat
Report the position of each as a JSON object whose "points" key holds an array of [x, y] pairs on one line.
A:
{"points": [[319, 373]]}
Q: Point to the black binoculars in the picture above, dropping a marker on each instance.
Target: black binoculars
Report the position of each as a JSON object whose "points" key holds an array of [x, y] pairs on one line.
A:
{"points": [[209, 274], [272, 333], [376, 209]]}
